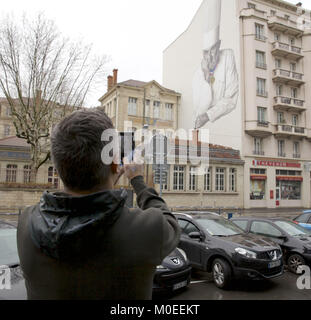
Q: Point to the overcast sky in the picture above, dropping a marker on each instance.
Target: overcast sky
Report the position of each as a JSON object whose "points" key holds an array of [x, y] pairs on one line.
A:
{"points": [[133, 33]]}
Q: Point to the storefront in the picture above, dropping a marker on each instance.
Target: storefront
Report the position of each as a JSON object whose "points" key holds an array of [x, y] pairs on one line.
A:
{"points": [[273, 184]]}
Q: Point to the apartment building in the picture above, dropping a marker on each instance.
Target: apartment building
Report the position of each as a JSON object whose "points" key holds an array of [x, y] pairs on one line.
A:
{"points": [[270, 124]]}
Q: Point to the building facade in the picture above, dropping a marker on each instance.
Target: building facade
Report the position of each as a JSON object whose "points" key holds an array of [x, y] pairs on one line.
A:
{"points": [[270, 41]]}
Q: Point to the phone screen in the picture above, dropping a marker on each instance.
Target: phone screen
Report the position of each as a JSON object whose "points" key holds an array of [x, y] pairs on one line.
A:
{"points": [[127, 145]]}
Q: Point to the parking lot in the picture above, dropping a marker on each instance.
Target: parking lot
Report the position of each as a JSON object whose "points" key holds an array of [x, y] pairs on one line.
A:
{"points": [[203, 288]]}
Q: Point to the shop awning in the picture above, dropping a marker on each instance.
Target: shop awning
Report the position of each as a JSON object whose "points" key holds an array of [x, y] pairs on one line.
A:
{"points": [[287, 178]]}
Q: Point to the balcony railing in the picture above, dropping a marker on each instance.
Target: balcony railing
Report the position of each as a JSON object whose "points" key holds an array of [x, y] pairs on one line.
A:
{"points": [[290, 129], [258, 153], [281, 154], [261, 65], [262, 123], [262, 93], [296, 156], [261, 37], [286, 49], [288, 102], [288, 76]]}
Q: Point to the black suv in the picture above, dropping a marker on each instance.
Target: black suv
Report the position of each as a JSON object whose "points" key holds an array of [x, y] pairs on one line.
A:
{"points": [[217, 245], [294, 240]]}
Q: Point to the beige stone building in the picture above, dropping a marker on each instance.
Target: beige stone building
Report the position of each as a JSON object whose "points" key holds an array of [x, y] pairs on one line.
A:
{"points": [[132, 104], [270, 42]]}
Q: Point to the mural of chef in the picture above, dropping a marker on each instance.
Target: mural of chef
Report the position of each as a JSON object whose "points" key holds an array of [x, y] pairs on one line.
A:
{"points": [[216, 82]]}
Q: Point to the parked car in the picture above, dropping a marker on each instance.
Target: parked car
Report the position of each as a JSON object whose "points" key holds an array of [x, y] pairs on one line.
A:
{"points": [[304, 219], [174, 273], [294, 240], [217, 245]]}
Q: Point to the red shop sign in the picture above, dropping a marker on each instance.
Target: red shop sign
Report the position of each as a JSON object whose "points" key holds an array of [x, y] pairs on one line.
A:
{"points": [[266, 163], [289, 178], [258, 177]]}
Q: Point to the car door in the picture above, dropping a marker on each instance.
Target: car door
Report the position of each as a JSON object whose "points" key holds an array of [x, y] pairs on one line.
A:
{"points": [[192, 247], [268, 229]]}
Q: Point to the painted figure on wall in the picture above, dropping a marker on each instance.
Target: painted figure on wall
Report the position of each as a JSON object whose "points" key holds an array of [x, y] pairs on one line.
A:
{"points": [[216, 82]]}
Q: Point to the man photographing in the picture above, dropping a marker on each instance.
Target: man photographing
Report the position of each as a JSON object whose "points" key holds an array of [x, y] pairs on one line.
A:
{"points": [[85, 243]]}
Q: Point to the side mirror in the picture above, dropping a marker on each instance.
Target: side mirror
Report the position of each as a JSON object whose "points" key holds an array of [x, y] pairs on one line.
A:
{"points": [[195, 235], [284, 238]]}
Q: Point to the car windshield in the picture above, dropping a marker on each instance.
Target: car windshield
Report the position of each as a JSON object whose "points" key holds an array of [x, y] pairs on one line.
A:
{"points": [[8, 247], [219, 227], [292, 228]]}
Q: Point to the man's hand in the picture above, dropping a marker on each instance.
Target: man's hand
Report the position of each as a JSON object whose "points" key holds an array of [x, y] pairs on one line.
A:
{"points": [[201, 120], [134, 168]]}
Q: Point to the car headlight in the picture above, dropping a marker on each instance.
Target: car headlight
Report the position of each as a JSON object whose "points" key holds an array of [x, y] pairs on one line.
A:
{"points": [[160, 267], [183, 253], [246, 253]]}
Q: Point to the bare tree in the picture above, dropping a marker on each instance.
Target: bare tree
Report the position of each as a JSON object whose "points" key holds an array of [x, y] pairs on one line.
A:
{"points": [[44, 76]]}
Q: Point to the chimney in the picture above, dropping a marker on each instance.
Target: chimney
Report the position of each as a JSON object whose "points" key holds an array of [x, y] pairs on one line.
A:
{"points": [[110, 83], [195, 136], [115, 76]]}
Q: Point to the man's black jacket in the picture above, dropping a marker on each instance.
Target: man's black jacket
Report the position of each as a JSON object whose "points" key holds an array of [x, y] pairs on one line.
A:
{"points": [[94, 246]]}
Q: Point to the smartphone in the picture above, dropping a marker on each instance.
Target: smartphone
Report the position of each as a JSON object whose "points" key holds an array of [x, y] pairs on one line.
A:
{"points": [[127, 145]]}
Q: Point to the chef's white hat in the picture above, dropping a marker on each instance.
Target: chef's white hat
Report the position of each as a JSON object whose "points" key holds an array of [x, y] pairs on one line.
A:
{"points": [[212, 15]]}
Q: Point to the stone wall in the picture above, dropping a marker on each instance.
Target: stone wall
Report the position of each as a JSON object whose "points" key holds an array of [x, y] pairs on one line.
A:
{"points": [[11, 200]]}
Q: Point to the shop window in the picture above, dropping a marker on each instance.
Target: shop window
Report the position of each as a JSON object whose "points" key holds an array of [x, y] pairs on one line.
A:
{"points": [[257, 185], [289, 190]]}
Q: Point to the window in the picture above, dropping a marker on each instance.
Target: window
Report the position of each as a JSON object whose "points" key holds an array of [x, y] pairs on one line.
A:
{"points": [[280, 117], [258, 149], [292, 41], [27, 173], [279, 90], [8, 112], [241, 223], [281, 148], [156, 109], [147, 108], [169, 111], [272, 13], [208, 179], [179, 172], [132, 106], [261, 114], [265, 228], [278, 63], [296, 149], [295, 120], [165, 185], [220, 179], [261, 60], [11, 172], [190, 228], [53, 177], [257, 184], [261, 87], [251, 5], [192, 179], [304, 218], [294, 93], [7, 130], [293, 66], [182, 223], [277, 36], [286, 16], [232, 180], [259, 32]]}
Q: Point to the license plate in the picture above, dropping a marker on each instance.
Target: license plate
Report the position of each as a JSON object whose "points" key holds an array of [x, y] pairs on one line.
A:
{"points": [[274, 264], [180, 285]]}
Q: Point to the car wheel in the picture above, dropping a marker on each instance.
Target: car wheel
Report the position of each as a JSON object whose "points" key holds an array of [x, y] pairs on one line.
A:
{"points": [[221, 273], [294, 261]]}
